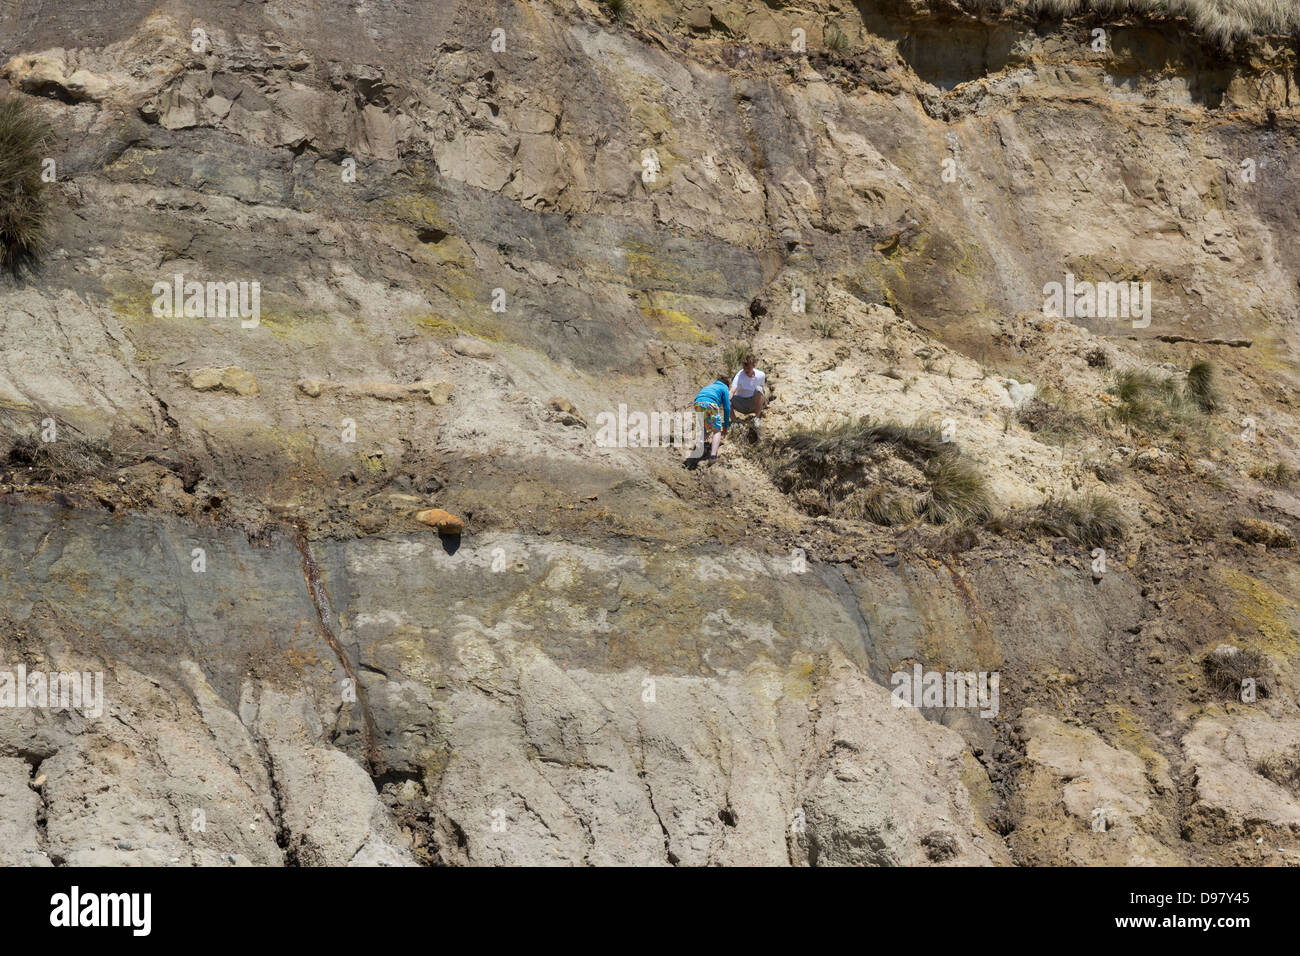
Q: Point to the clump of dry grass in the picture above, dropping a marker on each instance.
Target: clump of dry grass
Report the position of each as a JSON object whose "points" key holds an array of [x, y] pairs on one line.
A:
{"points": [[71, 457], [1201, 386], [1089, 520], [1279, 473], [22, 192], [734, 356], [1281, 768], [881, 472], [1226, 667], [1154, 402], [1221, 21]]}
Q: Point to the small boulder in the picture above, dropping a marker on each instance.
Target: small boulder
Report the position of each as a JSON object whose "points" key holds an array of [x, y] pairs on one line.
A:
{"points": [[472, 348], [1020, 392], [444, 521], [565, 412], [438, 393], [230, 378], [313, 387]]}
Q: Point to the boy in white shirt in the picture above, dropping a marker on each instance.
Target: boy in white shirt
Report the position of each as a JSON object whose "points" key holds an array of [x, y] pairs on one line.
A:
{"points": [[749, 390]]}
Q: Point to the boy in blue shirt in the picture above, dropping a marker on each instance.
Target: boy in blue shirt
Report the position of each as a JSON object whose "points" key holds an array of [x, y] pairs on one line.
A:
{"points": [[713, 402]]}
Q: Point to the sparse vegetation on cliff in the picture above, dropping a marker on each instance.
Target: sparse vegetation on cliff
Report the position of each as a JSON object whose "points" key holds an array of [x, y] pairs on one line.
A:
{"points": [[1089, 520], [1150, 401], [885, 473], [22, 193], [1227, 667], [1221, 21]]}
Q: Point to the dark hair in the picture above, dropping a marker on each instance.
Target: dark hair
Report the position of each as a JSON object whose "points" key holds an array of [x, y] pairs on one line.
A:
{"points": [[724, 379], [748, 359]]}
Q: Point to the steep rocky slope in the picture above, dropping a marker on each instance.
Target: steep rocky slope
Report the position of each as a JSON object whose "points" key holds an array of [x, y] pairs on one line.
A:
{"points": [[470, 246]]}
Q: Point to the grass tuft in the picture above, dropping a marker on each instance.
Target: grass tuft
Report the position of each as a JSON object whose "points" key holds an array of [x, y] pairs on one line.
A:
{"points": [[1279, 474], [1201, 387], [71, 457], [734, 356], [1152, 402], [1088, 520], [1223, 22], [1282, 768], [882, 472], [23, 201], [1226, 667]]}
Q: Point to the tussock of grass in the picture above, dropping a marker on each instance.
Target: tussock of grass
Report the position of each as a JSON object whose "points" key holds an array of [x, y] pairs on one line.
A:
{"points": [[826, 328], [1201, 387], [881, 472], [22, 193], [70, 457], [1283, 769], [957, 492], [1098, 358], [1280, 474], [734, 356], [1049, 423], [1088, 520], [1156, 403], [1226, 668], [1221, 21]]}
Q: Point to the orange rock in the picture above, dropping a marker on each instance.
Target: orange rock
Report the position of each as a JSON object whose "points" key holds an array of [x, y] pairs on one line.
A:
{"points": [[444, 521]]}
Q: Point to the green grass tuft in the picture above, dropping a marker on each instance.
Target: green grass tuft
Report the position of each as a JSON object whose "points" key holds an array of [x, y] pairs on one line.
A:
{"points": [[1088, 520], [1279, 474], [23, 201], [957, 493], [733, 357], [1201, 388], [1152, 402]]}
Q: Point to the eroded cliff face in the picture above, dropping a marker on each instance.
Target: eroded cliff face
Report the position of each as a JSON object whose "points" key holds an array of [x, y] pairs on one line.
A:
{"points": [[472, 246]]}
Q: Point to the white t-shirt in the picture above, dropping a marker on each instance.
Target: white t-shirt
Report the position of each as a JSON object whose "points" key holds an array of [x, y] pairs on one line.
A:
{"points": [[744, 385]]}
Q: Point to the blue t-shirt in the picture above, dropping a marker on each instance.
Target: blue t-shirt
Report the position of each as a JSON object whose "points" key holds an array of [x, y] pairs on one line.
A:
{"points": [[717, 393]]}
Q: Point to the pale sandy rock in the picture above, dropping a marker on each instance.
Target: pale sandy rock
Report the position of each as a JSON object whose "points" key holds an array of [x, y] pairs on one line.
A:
{"points": [[328, 802], [229, 378], [1231, 793], [1084, 801], [49, 72], [472, 348], [20, 843]]}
